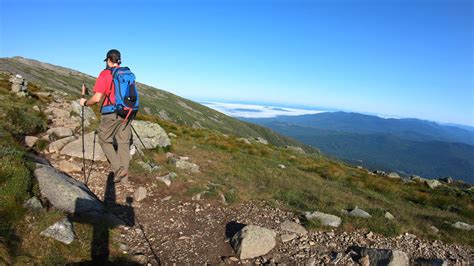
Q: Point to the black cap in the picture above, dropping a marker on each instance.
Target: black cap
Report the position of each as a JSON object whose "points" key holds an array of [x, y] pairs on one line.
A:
{"points": [[114, 56]]}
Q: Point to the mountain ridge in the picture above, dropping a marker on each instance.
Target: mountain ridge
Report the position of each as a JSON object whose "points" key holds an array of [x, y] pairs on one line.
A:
{"points": [[166, 105]]}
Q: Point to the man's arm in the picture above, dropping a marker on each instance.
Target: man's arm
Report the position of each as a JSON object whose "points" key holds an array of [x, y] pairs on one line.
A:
{"points": [[97, 97]]}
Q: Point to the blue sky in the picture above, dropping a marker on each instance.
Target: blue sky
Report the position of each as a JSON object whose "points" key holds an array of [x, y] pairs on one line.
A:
{"points": [[404, 58]]}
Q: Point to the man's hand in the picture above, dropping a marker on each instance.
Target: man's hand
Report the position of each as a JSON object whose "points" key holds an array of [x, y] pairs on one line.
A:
{"points": [[82, 102]]}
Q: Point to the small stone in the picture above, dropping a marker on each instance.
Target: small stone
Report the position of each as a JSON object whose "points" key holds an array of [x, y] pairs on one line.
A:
{"points": [[61, 231], [69, 167], [356, 212], [30, 141], [281, 166], [167, 178], [432, 183], [287, 237], [389, 216], [33, 204], [434, 229], [324, 218], [463, 226], [293, 227], [60, 132], [140, 194]]}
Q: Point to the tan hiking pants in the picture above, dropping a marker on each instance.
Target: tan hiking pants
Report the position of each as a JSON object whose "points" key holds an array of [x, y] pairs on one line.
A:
{"points": [[111, 128]]}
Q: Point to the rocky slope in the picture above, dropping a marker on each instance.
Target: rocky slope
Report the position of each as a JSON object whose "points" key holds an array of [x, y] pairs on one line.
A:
{"points": [[154, 101]]}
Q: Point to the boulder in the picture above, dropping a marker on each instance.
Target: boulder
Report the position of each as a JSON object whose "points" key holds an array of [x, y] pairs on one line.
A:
{"points": [[167, 178], [19, 85], [74, 148], [69, 167], [324, 218], [261, 140], [447, 179], [288, 237], [183, 164], [140, 194], [61, 231], [33, 204], [356, 212], [393, 175], [390, 257], [244, 140], [150, 167], [30, 141], [57, 145], [151, 134], [60, 132], [295, 149], [432, 183], [70, 195], [293, 227], [462, 226], [417, 178], [389, 216], [89, 114], [253, 241]]}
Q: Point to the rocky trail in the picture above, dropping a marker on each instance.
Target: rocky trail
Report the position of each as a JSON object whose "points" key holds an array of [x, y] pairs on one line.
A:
{"points": [[162, 227]]}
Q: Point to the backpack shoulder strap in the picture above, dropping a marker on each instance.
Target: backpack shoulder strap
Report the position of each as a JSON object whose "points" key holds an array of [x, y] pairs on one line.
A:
{"points": [[112, 72]]}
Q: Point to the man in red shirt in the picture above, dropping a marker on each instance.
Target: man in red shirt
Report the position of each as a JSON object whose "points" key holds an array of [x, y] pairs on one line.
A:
{"points": [[114, 136]]}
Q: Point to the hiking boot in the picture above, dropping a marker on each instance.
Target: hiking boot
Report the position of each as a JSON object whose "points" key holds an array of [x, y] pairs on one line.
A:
{"points": [[121, 174]]}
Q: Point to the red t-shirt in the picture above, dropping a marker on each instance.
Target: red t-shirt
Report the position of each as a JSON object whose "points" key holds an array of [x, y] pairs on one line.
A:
{"points": [[102, 85]]}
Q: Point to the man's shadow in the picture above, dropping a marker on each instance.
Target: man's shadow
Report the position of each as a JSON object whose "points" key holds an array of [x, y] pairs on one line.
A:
{"points": [[101, 225]]}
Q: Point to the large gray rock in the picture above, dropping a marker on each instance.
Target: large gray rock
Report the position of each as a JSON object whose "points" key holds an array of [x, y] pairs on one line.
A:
{"points": [[324, 218], [261, 140], [60, 132], [295, 149], [33, 204], [293, 227], [74, 148], [57, 145], [432, 183], [61, 231], [393, 175], [152, 135], [183, 164], [356, 212], [253, 241], [89, 115], [384, 256], [69, 167], [67, 194], [463, 226]]}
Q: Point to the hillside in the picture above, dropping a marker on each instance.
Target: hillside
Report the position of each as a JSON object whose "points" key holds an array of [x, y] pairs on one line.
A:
{"points": [[408, 146], [154, 101], [207, 187]]}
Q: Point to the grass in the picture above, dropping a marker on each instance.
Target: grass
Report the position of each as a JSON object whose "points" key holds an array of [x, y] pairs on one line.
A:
{"points": [[20, 240], [311, 182]]}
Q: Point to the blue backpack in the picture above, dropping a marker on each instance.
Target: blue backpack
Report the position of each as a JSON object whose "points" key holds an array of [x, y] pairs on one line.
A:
{"points": [[126, 94]]}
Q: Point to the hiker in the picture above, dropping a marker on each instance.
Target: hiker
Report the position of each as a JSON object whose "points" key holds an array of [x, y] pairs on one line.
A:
{"points": [[114, 130]]}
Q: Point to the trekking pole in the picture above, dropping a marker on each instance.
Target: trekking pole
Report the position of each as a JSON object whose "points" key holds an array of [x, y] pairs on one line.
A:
{"points": [[150, 163], [84, 92]]}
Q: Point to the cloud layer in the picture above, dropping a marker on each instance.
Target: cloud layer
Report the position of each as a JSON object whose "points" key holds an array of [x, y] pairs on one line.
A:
{"points": [[256, 111]]}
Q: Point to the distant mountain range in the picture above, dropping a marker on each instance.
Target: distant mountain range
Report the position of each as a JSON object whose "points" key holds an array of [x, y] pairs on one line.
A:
{"points": [[408, 146]]}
